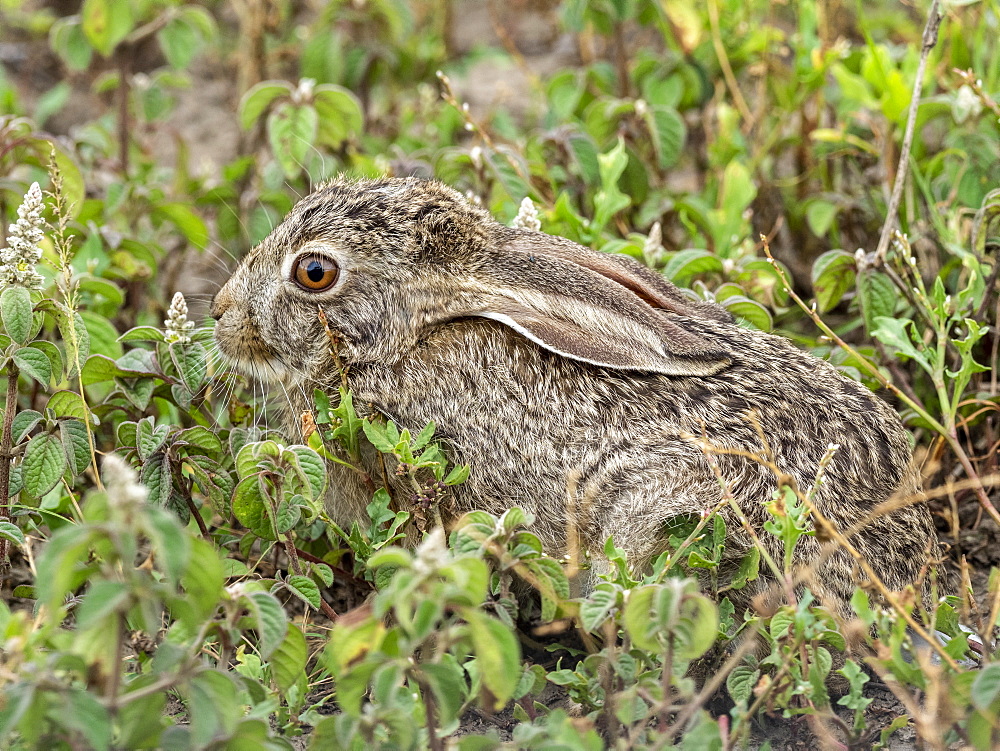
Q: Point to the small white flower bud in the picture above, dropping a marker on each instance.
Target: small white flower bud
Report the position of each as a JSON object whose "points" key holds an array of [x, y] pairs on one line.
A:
{"points": [[527, 216]]}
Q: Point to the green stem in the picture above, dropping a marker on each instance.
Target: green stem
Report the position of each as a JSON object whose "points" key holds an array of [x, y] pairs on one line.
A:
{"points": [[13, 373]]}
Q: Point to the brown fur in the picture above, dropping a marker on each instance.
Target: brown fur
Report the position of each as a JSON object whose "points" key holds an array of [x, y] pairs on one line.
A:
{"points": [[545, 365]]}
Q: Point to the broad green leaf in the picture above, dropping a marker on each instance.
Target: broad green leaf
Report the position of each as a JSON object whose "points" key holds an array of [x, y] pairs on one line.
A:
{"points": [[749, 310], [23, 423], [184, 218], [741, 683], [192, 364], [894, 333], [103, 598], [59, 563], [311, 469], [594, 610], [251, 507], [202, 438], [81, 711], [255, 102], [106, 23], [76, 444], [44, 464], [497, 652], [67, 404], [12, 533], [986, 687], [819, 216], [833, 274], [288, 661], [102, 334], [150, 438], [16, 313], [67, 39], [877, 295], [156, 476], [269, 620], [446, 681], [687, 263], [668, 132], [339, 112], [52, 353], [142, 334], [305, 589], [170, 542], [291, 131], [34, 364], [202, 580]]}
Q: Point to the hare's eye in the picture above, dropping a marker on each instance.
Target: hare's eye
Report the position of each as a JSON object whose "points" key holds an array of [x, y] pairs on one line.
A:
{"points": [[315, 273]]}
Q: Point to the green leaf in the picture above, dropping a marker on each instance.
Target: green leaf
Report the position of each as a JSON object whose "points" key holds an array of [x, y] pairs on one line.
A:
{"points": [[291, 131], [255, 102], [251, 507], [52, 353], [446, 681], [16, 313], [749, 310], [184, 218], [23, 423], [202, 581], [67, 40], [668, 131], [142, 334], [894, 333], [311, 469], [877, 296], [106, 23], [305, 589], [497, 652], [180, 41], [34, 364], [67, 404], [288, 661], [340, 115], [458, 475], [687, 263], [59, 564], [44, 464], [170, 542], [820, 215], [12, 533], [103, 335], [202, 438], [269, 619], [191, 363], [157, 478], [81, 711], [741, 683], [378, 437], [76, 445], [986, 687], [609, 200], [103, 598], [833, 274], [594, 610]]}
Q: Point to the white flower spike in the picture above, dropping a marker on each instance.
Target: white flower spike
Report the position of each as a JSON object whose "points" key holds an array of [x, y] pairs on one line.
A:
{"points": [[177, 326], [18, 261]]}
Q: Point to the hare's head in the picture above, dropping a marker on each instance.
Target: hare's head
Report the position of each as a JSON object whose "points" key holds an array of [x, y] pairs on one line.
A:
{"points": [[387, 260]]}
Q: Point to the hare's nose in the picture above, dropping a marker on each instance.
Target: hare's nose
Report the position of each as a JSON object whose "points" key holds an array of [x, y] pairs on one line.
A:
{"points": [[222, 302]]}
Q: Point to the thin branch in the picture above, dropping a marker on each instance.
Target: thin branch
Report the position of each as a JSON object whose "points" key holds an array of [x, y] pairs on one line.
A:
{"points": [[929, 39]]}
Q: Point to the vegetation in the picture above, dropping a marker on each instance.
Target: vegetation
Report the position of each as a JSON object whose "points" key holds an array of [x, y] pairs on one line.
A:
{"points": [[170, 577]]}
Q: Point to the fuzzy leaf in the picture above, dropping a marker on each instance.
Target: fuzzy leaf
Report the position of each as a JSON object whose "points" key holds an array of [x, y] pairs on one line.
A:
{"points": [[44, 464], [16, 314]]}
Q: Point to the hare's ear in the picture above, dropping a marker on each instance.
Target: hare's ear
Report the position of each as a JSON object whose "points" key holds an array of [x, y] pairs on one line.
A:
{"points": [[577, 312], [622, 269]]}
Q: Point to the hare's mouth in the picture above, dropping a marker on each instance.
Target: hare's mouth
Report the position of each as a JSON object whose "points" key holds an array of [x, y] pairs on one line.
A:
{"points": [[256, 364]]}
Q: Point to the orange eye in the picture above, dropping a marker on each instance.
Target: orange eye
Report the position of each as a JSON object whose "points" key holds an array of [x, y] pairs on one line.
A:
{"points": [[315, 273]]}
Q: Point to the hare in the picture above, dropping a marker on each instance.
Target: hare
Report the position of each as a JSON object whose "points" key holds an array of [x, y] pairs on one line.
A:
{"points": [[578, 385]]}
